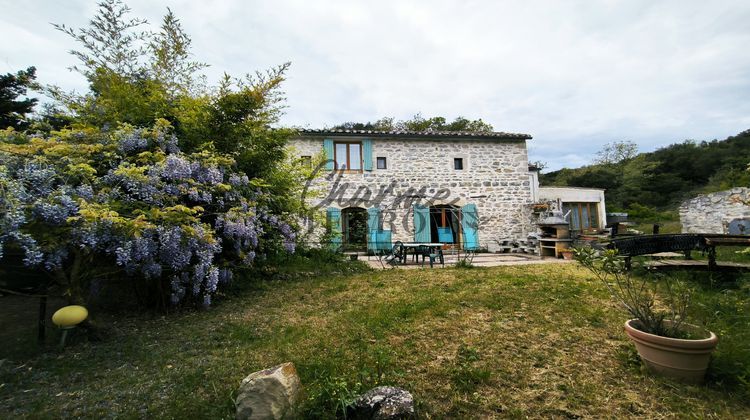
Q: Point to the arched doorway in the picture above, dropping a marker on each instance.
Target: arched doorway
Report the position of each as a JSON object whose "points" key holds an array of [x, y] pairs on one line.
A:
{"points": [[445, 225], [354, 228]]}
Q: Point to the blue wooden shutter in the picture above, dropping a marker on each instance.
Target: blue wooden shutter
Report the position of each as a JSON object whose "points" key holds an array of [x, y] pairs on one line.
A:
{"points": [[470, 226], [367, 154], [445, 235], [373, 222], [328, 149], [421, 223], [384, 240], [334, 227]]}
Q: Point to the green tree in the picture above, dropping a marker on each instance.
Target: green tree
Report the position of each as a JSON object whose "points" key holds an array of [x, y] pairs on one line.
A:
{"points": [[110, 43], [383, 124], [137, 77], [171, 62], [419, 123], [616, 152], [12, 110]]}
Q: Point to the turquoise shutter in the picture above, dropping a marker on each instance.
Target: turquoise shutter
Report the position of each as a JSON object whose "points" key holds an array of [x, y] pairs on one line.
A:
{"points": [[367, 154], [470, 226], [421, 223], [334, 227], [373, 222], [328, 149], [384, 240]]}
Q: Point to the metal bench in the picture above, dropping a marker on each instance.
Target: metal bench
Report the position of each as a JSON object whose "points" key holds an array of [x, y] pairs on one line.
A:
{"points": [[654, 244]]}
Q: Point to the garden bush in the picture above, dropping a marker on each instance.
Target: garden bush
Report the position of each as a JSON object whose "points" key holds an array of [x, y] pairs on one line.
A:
{"points": [[150, 175], [82, 203]]}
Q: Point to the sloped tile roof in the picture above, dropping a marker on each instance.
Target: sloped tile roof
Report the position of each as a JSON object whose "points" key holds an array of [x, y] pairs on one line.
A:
{"points": [[467, 135]]}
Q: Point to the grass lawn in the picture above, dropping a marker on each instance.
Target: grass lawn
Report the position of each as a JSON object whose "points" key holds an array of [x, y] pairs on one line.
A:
{"points": [[536, 341]]}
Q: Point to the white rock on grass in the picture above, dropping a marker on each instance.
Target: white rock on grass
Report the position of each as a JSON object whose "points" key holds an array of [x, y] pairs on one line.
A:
{"points": [[269, 393], [383, 402]]}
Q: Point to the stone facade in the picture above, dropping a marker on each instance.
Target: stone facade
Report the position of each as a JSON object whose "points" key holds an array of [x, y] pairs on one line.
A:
{"points": [[421, 171], [712, 213]]}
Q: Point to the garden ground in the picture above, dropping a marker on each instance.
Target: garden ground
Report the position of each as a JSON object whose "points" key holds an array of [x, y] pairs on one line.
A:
{"points": [[513, 341]]}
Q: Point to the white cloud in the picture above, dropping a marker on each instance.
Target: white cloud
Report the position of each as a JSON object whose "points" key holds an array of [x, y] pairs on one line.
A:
{"points": [[573, 74]]}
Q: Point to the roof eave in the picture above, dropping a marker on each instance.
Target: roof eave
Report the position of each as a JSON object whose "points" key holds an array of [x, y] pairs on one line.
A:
{"points": [[415, 135]]}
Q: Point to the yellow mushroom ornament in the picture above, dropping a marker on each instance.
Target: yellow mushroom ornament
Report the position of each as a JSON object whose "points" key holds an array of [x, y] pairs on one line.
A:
{"points": [[69, 317]]}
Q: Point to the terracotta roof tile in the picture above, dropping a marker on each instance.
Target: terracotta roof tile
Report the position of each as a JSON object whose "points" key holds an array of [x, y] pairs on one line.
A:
{"points": [[415, 134]]}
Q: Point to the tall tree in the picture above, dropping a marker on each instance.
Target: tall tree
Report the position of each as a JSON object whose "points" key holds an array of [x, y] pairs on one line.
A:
{"points": [[110, 42], [171, 61], [138, 77], [13, 110], [616, 152]]}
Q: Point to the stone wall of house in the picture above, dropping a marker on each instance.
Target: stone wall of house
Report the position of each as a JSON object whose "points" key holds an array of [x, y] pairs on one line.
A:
{"points": [[495, 178], [712, 213]]}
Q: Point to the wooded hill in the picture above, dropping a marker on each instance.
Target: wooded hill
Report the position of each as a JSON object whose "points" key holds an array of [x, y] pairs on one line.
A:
{"points": [[651, 185]]}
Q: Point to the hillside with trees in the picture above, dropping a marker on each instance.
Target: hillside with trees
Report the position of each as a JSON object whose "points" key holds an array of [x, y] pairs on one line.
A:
{"points": [[645, 184]]}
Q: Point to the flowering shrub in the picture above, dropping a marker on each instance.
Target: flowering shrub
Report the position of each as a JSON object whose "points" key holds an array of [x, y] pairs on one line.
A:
{"points": [[81, 201]]}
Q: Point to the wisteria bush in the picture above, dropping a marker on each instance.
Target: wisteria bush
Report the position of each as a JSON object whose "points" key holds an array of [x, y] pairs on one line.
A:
{"points": [[82, 203]]}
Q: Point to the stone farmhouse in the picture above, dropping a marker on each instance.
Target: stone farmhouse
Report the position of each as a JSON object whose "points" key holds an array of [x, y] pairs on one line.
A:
{"points": [[463, 189]]}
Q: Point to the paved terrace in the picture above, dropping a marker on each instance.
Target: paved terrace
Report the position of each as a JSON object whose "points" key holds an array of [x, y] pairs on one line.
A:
{"points": [[480, 260]]}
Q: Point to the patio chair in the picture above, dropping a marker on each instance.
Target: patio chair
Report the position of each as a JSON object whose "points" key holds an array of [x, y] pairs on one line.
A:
{"points": [[426, 252], [397, 254]]}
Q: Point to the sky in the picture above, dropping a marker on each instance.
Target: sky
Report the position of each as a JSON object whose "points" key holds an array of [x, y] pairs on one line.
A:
{"points": [[575, 75]]}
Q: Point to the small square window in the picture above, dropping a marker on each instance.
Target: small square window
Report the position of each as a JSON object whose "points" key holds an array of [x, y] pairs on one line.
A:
{"points": [[306, 161], [382, 163], [458, 164]]}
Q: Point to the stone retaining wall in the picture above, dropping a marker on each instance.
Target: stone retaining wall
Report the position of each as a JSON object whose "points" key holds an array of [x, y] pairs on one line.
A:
{"points": [[712, 213]]}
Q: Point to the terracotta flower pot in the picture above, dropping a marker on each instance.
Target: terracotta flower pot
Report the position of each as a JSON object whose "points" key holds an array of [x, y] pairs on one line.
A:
{"points": [[682, 359]]}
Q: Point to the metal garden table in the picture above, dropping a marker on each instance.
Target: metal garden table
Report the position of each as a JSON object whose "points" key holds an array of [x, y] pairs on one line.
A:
{"points": [[433, 246]]}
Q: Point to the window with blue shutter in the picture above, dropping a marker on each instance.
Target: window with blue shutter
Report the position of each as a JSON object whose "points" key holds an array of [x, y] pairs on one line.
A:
{"points": [[421, 223], [373, 226], [328, 149], [367, 154], [334, 227], [377, 239], [470, 227]]}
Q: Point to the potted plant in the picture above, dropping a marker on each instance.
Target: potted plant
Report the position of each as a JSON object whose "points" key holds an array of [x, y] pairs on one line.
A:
{"points": [[539, 207], [665, 342]]}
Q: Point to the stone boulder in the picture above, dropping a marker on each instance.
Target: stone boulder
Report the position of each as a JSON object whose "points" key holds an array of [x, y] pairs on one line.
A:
{"points": [[383, 402], [269, 393]]}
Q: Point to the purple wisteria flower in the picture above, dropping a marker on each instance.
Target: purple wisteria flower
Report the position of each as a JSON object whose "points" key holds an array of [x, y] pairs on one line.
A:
{"points": [[132, 142], [176, 167]]}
